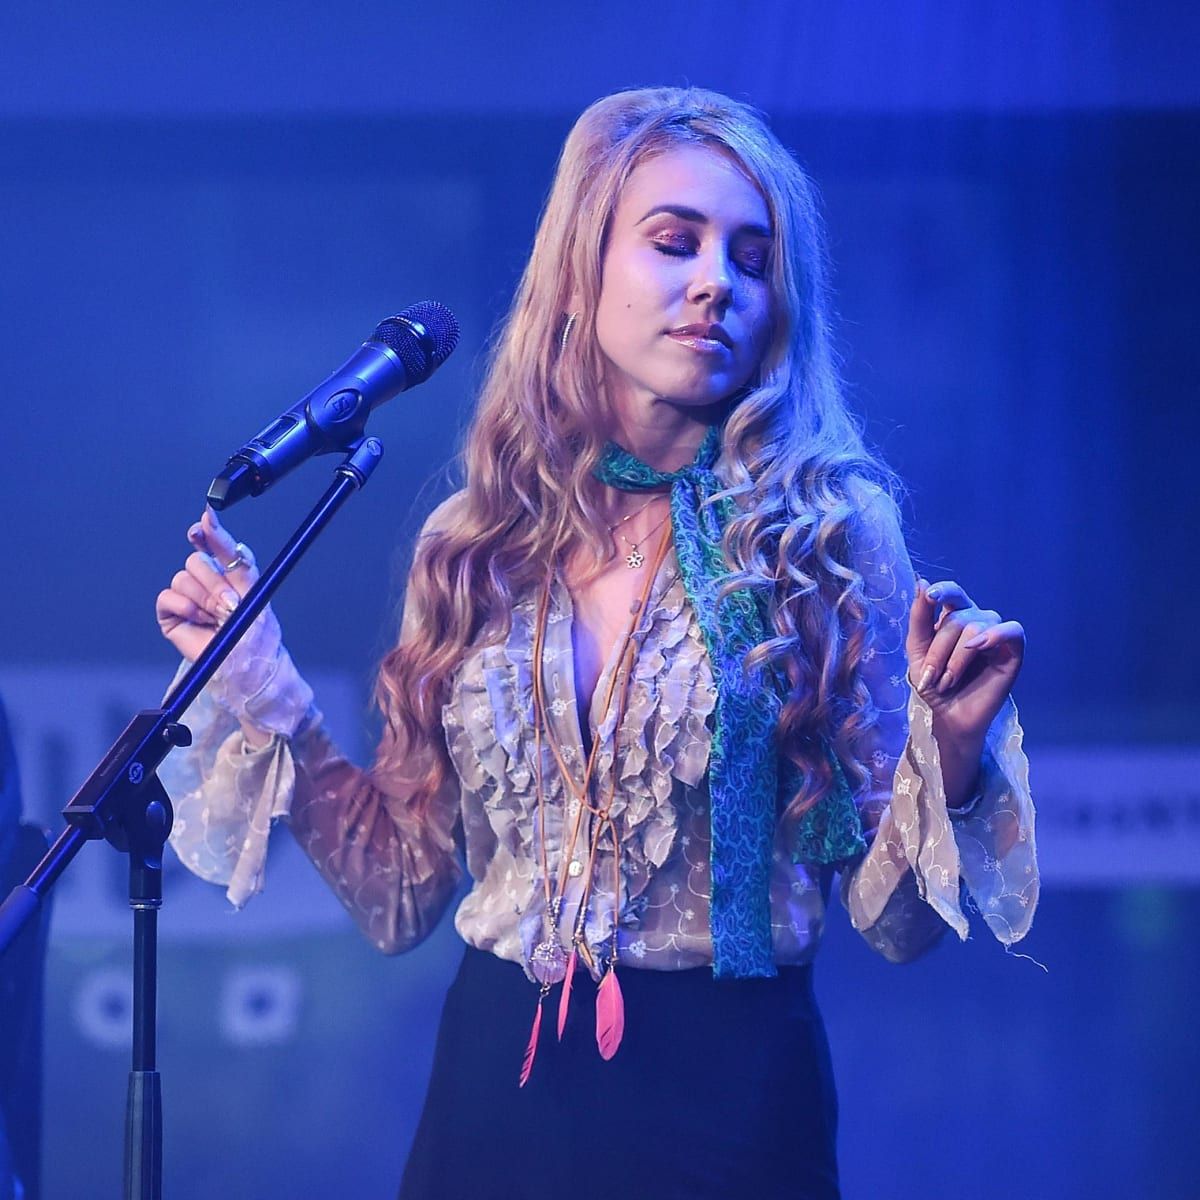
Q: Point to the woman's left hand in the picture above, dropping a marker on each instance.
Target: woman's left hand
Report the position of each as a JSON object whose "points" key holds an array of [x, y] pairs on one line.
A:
{"points": [[964, 663]]}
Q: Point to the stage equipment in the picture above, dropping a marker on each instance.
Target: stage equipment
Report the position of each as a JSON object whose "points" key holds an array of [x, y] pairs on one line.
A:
{"points": [[403, 351]]}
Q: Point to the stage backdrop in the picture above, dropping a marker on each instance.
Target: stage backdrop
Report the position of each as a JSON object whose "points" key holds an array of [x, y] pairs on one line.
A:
{"points": [[187, 250]]}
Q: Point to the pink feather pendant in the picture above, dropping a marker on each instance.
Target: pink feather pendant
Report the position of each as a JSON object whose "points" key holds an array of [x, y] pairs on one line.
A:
{"points": [[564, 999], [610, 1015], [531, 1049]]}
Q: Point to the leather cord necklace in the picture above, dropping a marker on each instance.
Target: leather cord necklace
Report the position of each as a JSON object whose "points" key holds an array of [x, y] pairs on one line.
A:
{"points": [[550, 961]]}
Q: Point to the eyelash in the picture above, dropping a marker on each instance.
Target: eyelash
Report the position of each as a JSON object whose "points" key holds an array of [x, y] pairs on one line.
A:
{"points": [[676, 250]]}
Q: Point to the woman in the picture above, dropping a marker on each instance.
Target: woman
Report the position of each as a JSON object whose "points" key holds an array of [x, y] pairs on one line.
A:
{"points": [[668, 509]]}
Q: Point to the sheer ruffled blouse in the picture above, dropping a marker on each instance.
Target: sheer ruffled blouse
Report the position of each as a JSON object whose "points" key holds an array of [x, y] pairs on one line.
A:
{"points": [[397, 874]]}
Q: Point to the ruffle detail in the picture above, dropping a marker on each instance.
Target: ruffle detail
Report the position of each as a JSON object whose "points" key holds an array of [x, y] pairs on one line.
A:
{"points": [[259, 683], [664, 738], [990, 846], [490, 738], [226, 795]]}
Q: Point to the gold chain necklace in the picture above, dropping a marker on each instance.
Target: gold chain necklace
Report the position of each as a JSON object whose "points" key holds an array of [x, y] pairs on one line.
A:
{"points": [[635, 558], [629, 516]]}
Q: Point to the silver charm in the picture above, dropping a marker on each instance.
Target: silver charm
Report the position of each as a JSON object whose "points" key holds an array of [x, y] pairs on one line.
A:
{"points": [[634, 559], [548, 962]]}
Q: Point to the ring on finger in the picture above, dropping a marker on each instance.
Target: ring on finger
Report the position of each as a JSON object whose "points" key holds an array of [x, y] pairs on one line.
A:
{"points": [[242, 557]]}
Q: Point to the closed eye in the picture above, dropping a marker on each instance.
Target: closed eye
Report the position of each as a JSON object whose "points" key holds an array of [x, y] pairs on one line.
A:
{"points": [[754, 264], [751, 264]]}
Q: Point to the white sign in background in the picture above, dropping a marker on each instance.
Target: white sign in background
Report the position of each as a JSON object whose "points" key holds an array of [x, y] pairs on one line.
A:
{"points": [[1117, 815]]}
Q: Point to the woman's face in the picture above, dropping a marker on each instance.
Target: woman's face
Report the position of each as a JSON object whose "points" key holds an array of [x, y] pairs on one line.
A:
{"points": [[685, 308]]}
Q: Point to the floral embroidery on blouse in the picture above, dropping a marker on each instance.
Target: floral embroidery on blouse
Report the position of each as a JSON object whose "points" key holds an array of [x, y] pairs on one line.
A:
{"points": [[397, 874]]}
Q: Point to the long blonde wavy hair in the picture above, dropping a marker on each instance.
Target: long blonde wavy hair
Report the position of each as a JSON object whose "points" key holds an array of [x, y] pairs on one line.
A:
{"points": [[792, 455]]}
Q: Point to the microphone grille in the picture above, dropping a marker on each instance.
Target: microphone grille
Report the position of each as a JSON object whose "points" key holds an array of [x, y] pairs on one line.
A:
{"points": [[422, 337]]}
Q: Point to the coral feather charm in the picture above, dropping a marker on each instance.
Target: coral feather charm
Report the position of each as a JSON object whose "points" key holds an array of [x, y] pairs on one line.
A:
{"points": [[531, 1049], [564, 1000], [610, 1015]]}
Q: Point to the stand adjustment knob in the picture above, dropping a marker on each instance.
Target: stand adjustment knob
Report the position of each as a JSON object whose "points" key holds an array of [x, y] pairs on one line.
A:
{"points": [[177, 734]]}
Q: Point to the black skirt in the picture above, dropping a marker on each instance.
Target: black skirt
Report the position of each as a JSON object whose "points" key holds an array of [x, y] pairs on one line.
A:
{"points": [[719, 1089]]}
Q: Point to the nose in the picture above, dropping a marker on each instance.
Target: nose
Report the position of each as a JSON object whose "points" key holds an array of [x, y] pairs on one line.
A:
{"points": [[712, 281]]}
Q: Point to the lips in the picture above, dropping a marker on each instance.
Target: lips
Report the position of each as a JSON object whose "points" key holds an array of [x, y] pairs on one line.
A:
{"points": [[702, 336]]}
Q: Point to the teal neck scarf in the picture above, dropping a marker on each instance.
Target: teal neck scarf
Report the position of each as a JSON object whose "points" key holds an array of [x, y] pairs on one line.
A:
{"points": [[745, 779]]}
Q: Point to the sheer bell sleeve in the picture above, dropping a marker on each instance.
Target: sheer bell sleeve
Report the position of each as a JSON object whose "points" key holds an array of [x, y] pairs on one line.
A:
{"points": [[394, 868], [904, 892]]}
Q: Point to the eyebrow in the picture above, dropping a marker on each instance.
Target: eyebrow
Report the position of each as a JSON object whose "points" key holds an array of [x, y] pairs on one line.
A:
{"points": [[693, 214]]}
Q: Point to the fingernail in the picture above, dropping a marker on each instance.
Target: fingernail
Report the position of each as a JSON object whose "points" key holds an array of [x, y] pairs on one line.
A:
{"points": [[934, 593], [946, 682], [976, 641], [926, 677], [230, 599]]}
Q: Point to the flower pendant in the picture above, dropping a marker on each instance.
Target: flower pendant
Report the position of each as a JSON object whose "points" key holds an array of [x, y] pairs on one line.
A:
{"points": [[634, 559]]}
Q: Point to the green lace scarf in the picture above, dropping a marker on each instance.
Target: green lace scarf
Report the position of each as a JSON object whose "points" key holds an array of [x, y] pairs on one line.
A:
{"points": [[745, 779]]}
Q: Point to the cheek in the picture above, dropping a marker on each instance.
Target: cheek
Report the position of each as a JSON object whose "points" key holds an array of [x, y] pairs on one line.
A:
{"points": [[761, 323], [631, 300], [640, 298], [634, 282]]}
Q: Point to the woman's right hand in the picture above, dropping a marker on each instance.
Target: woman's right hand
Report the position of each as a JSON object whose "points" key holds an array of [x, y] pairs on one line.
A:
{"points": [[257, 683], [202, 596]]}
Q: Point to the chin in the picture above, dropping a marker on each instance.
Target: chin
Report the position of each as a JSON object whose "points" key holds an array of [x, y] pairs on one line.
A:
{"points": [[708, 401], [703, 393], [690, 391]]}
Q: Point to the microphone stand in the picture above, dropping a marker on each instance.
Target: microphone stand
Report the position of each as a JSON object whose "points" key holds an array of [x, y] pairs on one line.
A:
{"points": [[123, 802]]}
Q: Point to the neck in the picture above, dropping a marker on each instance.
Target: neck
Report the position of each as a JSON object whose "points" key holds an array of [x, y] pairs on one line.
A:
{"points": [[663, 435]]}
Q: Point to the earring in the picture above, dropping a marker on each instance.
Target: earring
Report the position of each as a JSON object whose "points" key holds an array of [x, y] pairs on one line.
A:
{"points": [[566, 333]]}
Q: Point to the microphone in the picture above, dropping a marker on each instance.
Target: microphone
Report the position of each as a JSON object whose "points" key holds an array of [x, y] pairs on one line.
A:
{"points": [[403, 351]]}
